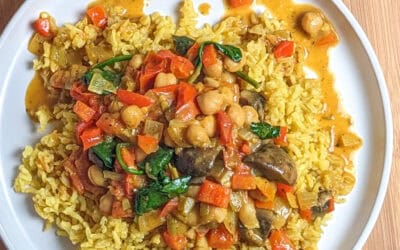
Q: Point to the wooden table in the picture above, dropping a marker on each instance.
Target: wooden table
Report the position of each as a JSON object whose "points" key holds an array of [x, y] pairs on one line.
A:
{"points": [[381, 21]]}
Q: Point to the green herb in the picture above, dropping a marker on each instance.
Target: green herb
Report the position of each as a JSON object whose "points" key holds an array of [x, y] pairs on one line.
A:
{"points": [[265, 130], [156, 194], [111, 61], [105, 152], [247, 78], [149, 198], [155, 163], [182, 44], [230, 51], [121, 161], [177, 186]]}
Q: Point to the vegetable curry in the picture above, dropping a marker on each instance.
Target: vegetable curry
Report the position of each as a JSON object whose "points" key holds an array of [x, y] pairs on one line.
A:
{"points": [[173, 139]]}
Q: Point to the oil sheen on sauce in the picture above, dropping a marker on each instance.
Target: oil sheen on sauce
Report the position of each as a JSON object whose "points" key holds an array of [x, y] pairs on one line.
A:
{"points": [[286, 10]]}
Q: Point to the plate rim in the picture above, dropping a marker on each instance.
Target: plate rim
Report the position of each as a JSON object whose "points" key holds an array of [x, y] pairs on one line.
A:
{"points": [[382, 85]]}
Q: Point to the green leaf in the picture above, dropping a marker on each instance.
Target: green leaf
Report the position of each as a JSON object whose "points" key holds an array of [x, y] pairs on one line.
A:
{"points": [[177, 186], [265, 130], [111, 77], [182, 44], [111, 61], [149, 198], [105, 151], [155, 163], [248, 79], [230, 51]]}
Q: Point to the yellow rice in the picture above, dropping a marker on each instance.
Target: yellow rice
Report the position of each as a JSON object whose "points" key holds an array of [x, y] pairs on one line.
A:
{"points": [[297, 106]]}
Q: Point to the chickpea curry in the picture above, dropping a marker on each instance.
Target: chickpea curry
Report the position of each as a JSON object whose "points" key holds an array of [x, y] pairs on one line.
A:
{"points": [[179, 138]]}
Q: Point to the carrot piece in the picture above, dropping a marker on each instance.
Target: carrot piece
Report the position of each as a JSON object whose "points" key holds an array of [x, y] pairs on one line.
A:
{"points": [[187, 111], [214, 194], [282, 189], [84, 112], [225, 127], [306, 214], [282, 138], [170, 206], [264, 204], [245, 148], [91, 137], [98, 16], [42, 26], [128, 156], [243, 181], [181, 67], [268, 189], [175, 242], [166, 89], [329, 39], [209, 55], [279, 241], [132, 98], [220, 237], [186, 93], [239, 3], [242, 169], [284, 49], [193, 52], [147, 143], [331, 205], [153, 64]]}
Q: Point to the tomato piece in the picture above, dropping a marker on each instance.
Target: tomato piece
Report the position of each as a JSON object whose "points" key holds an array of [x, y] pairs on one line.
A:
{"points": [[186, 93], [282, 189], [209, 55], [170, 206], [243, 181], [214, 194], [187, 111], [175, 242], [91, 137], [132, 98], [147, 143], [284, 49], [181, 67], [280, 241], [225, 127], [98, 16], [42, 26], [220, 237], [84, 112], [282, 138]]}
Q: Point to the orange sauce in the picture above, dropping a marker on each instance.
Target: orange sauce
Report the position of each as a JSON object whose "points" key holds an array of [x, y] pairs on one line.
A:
{"points": [[37, 95], [204, 8], [134, 8]]}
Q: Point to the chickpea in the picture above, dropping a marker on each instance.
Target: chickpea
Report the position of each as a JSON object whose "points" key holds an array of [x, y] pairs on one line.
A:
{"points": [[228, 77], [228, 95], [197, 136], [312, 23], [250, 114], [165, 79], [211, 82], [132, 116], [210, 102], [136, 61], [209, 123], [214, 71], [237, 114], [232, 66]]}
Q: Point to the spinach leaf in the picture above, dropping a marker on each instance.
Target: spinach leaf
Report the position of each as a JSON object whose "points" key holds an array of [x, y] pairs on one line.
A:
{"points": [[111, 76], [182, 44], [111, 61], [106, 152], [157, 194], [149, 198], [247, 78], [264, 130], [155, 163], [230, 51], [177, 186]]}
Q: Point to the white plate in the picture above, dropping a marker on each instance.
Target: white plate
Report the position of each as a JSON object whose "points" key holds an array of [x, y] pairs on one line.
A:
{"points": [[359, 81]]}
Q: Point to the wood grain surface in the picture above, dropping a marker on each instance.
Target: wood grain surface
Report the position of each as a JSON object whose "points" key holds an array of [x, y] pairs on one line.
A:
{"points": [[381, 21]]}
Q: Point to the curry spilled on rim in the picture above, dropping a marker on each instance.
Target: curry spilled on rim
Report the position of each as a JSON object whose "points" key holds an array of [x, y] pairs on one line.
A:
{"points": [[166, 135]]}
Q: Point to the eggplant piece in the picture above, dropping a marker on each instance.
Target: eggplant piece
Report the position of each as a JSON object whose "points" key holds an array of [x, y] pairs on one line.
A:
{"points": [[196, 162], [273, 163], [322, 207], [254, 99], [95, 159], [257, 236]]}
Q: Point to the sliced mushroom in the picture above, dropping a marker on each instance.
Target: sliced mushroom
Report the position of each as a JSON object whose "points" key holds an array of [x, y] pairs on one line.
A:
{"points": [[273, 163], [254, 99], [96, 176], [196, 162], [106, 202], [257, 236], [322, 207], [252, 237], [95, 159]]}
